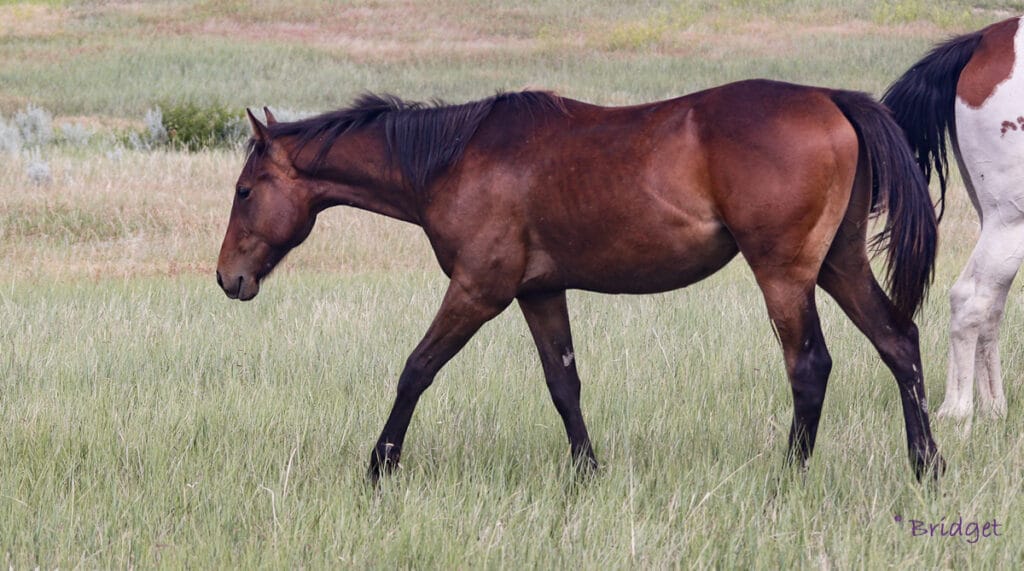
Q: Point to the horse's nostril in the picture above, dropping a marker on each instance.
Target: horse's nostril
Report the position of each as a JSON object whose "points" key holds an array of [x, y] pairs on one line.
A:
{"points": [[220, 281]]}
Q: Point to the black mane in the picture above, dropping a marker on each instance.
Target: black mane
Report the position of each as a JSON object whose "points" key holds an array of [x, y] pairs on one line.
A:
{"points": [[424, 138]]}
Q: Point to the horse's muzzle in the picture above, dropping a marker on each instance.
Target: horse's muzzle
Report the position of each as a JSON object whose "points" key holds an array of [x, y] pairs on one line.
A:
{"points": [[238, 287]]}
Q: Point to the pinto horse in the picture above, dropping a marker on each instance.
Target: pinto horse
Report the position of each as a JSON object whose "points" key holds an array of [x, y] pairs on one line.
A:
{"points": [[972, 88], [526, 195]]}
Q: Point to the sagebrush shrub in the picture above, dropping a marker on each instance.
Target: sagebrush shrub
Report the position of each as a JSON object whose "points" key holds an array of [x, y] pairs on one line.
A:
{"points": [[35, 126], [75, 134], [37, 169], [10, 137], [155, 130]]}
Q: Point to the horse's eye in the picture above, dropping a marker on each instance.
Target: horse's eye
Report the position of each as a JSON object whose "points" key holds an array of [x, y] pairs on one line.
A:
{"points": [[243, 192]]}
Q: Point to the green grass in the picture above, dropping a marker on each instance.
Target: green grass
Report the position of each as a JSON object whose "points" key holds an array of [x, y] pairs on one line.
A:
{"points": [[150, 421], [147, 421]]}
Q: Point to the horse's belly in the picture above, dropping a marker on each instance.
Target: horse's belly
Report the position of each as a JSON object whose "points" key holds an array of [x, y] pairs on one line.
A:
{"points": [[651, 262]]}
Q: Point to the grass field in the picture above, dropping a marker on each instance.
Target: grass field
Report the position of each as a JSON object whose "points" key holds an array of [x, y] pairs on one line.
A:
{"points": [[149, 422]]}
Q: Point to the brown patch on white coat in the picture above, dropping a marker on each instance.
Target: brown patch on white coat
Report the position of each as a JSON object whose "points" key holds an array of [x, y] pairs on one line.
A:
{"points": [[991, 65]]}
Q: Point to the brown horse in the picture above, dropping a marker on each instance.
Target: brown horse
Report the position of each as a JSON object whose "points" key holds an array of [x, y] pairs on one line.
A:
{"points": [[526, 195]]}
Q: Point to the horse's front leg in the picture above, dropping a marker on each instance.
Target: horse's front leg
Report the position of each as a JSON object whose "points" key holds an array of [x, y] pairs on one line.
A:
{"points": [[462, 313], [548, 318]]}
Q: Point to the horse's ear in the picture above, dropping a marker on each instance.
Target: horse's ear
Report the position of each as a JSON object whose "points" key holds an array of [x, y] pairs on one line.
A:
{"points": [[259, 131], [270, 116]]}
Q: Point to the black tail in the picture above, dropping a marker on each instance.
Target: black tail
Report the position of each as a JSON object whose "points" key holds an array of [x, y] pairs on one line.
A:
{"points": [[910, 234], [922, 103]]}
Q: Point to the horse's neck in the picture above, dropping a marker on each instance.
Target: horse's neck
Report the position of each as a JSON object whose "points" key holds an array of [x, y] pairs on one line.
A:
{"points": [[354, 175], [386, 200]]}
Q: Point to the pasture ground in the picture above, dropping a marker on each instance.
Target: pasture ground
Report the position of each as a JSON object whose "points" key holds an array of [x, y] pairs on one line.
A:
{"points": [[149, 422]]}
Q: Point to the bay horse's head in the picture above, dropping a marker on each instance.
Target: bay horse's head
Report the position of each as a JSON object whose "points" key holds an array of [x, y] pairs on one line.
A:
{"points": [[271, 214]]}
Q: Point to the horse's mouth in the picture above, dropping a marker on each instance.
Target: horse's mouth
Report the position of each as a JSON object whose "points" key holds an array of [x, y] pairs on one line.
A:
{"points": [[239, 288], [247, 289]]}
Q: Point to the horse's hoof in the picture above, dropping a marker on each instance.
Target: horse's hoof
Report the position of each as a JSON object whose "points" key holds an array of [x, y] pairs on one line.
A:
{"points": [[587, 466]]}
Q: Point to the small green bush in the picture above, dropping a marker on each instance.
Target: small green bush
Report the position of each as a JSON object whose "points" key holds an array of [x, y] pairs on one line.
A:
{"points": [[194, 127]]}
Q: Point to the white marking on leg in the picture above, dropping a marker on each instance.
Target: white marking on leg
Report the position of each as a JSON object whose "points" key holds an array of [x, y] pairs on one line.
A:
{"points": [[568, 358]]}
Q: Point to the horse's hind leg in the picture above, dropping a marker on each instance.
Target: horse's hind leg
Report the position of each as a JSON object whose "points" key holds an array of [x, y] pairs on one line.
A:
{"points": [[965, 323], [977, 300], [846, 276], [794, 316], [548, 318]]}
